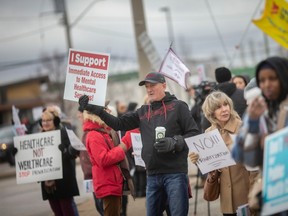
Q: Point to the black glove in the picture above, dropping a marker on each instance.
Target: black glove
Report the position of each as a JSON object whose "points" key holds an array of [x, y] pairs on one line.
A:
{"points": [[94, 109], [14, 151], [83, 101], [169, 144]]}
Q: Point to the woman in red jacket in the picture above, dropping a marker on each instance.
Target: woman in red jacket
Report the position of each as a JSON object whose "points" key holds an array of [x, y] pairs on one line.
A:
{"points": [[105, 158]]}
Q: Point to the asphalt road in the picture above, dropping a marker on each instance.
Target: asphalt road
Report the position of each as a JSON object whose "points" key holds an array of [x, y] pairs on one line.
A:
{"points": [[26, 200]]}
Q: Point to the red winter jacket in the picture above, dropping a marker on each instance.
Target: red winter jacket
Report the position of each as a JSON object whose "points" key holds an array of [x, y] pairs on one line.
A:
{"points": [[107, 176]]}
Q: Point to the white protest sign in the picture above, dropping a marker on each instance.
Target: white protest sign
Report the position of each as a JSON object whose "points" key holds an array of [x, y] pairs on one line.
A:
{"points": [[87, 73], [201, 72], [137, 148], [88, 186], [174, 68], [38, 157], [76, 143], [19, 129], [275, 173], [213, 152]]}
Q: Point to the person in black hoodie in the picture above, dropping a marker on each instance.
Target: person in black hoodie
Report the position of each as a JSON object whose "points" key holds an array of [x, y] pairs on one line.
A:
{"points": [[166, 158], [223, 77]]}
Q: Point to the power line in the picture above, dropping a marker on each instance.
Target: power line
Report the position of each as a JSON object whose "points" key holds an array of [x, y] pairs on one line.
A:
{"points": [[245, 33], [28, 34], [217, 30]]}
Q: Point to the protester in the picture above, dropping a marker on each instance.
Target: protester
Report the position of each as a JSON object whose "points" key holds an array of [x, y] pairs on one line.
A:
{"points": [[266, 114], [60, 192], [240, 81], [86, 165], [165, 159], [105, 158], [223, 77], [234, 180]]}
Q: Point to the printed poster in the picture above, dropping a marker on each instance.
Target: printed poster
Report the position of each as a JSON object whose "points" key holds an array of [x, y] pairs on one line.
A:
{"points": [[87, 73], [275, 173], [38, 157], [137, 149], [213, 152]]}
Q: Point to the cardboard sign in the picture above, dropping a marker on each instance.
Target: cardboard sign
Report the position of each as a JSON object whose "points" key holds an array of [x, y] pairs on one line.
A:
{"points": [[137, 149], [213, 152], [275, 173], [87, 73], [38, 157]]}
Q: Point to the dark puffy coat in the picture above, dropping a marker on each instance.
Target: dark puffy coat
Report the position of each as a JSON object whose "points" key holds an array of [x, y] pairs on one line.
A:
{"points": [[170, 113], [236, 95], [67, 186]]}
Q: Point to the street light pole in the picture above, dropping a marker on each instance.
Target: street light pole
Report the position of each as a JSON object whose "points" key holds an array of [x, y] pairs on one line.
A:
{"points": [[167, 12]]}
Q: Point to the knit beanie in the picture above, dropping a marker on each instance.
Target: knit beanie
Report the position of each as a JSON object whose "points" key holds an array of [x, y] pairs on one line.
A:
{"points": [[222, 74]]}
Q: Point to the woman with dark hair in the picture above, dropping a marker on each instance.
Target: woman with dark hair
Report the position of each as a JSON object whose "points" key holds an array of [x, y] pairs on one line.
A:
{"points": [[272, 106]]}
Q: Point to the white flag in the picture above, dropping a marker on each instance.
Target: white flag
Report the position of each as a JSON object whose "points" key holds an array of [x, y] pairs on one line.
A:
{"points": [[173, 68]]}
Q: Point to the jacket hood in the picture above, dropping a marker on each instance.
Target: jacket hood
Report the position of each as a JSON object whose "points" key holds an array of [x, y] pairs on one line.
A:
{"points": [[89, 125], [227, 87], [280, 65], [157, 104]]}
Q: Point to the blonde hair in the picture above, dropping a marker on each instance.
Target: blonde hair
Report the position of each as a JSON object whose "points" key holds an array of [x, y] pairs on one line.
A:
{"points": [[87, 116], [212, 102]]}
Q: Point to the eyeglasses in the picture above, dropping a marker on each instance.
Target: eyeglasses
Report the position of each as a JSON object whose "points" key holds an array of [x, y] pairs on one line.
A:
{"points": [[46, 121]]}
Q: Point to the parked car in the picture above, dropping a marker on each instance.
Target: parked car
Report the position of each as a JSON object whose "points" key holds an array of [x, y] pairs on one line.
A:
{"points": [[7, 144]]}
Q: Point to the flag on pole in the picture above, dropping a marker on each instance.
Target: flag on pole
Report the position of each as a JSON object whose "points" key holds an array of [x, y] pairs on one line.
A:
{"points": [[274, 21], [173, 68]]}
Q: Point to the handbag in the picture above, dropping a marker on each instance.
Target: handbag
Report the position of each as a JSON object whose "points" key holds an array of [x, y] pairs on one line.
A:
{"points": [[212, 186]]}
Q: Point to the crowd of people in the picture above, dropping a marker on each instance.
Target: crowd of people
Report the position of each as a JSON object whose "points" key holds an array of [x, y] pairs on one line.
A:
{"points": [[109, 161]]}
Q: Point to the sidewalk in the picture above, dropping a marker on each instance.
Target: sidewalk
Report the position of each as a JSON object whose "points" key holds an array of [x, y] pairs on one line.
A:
{"points": [[86, 206], [137, 207]]}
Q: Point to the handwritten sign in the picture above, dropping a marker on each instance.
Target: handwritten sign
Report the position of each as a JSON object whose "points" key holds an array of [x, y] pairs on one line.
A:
{"points": [[38, 157], [275, 173], [213, 152], [137, 149], [87, 73], [76, 143]]}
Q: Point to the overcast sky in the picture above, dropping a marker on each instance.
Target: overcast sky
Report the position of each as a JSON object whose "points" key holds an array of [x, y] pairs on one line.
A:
{"points": [[29, 29]]}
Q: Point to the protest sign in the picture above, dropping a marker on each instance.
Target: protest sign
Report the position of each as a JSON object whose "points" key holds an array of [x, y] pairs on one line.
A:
{"points": [[275, 173], [87, 73], [213, 152], [38, 157], [137, 149], [173, 68], [76, 143], [18, 128]]}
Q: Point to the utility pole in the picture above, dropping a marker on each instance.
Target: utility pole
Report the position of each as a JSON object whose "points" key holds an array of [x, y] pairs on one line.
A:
{"points": [[60, 7], [140, 27], [167, 12]]}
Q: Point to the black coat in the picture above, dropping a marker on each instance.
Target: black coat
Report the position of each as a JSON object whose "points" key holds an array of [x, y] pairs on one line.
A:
{"points": [[170, 113], [67, 186], [236, 95]]}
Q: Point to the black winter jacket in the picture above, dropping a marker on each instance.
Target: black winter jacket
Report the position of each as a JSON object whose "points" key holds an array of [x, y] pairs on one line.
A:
{"points": [[236, 95], [67, 186], [170, 113]]}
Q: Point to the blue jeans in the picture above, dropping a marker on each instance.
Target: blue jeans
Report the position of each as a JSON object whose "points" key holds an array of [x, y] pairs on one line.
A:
{"points": [[171, 189]]}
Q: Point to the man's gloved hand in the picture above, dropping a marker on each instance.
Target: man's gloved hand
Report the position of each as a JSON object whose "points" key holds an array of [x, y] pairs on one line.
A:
{"points": [[94, 109], [83, 101], [168, 144], [194, 157]]}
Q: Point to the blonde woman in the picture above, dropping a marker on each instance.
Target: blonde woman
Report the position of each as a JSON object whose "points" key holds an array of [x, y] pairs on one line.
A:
{"points": [[105, 158], [60, 192], [234, 180]]}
